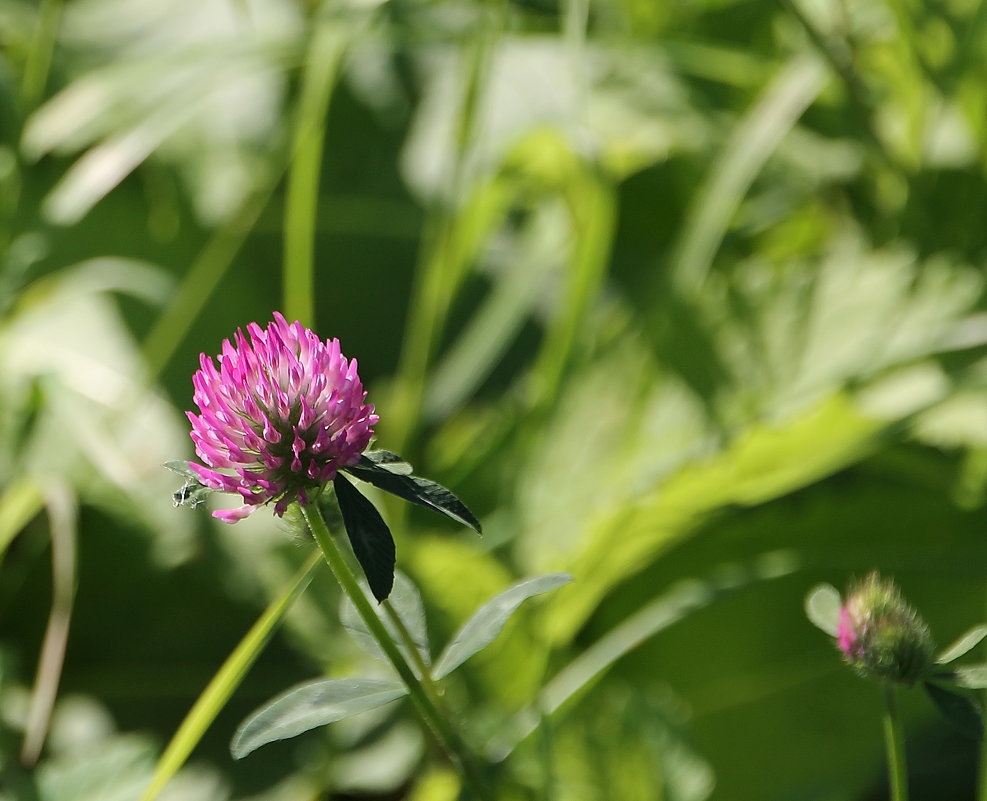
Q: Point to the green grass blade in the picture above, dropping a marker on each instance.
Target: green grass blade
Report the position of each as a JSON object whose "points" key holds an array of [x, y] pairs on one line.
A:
{"points": [[593, 209], [665, 610], [731, 175], [202, 279], [226, 680], [301, 204], [39, 58]]}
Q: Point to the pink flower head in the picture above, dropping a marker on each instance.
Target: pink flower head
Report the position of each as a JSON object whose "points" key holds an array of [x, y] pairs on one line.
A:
{"points": [[847, 636], [280, 416]]}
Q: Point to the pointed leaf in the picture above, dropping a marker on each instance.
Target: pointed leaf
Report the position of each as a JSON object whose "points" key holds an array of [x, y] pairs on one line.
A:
{"points": [[390, 461], [958, 709], [369, 535], [310, 705], [407, 602], [415, 489], [822, 607], [488, 621], [964, 644]]}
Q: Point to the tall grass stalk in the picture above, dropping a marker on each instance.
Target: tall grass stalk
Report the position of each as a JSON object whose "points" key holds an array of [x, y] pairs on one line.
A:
{"points": [[302, 201], [226, 680]]}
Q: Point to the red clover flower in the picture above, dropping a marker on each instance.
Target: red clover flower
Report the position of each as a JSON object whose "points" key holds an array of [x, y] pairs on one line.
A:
{"points": [[284, 416], [279, 417]]}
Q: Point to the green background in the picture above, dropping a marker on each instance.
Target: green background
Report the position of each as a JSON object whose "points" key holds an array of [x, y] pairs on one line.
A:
{"points": [[686, 299]]}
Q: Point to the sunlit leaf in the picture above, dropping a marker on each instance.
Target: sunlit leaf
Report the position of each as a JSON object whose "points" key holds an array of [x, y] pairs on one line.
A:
{"points": [[482, 629], [310, 705], [967, 642]]}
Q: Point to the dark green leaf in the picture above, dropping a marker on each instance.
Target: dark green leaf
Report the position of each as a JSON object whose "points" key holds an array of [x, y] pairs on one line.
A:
{"points": [[963, 645], [958, 709], [415, 489], [822, 607], [369, 535], [310, 705], [489, 620], [390, 461]]}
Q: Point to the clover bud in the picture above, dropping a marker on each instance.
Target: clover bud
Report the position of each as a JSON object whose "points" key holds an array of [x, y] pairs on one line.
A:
{"points": [[881, 636]]}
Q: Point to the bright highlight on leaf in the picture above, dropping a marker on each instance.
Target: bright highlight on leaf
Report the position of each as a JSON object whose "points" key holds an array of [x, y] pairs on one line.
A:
{"points": [[387, 471], [963, 645], [311, 705], [822, 607]]}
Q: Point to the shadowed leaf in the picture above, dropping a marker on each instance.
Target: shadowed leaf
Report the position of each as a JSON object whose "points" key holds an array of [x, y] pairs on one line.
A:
{"points": [[958, 709], [413, 488], [369, 535]]}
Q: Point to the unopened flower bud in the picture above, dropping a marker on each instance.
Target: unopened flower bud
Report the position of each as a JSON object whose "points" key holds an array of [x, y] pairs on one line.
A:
{"points": [[881, 636]]}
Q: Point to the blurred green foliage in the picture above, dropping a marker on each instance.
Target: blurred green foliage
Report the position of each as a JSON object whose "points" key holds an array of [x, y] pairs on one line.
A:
{"points": [[686, 299]]}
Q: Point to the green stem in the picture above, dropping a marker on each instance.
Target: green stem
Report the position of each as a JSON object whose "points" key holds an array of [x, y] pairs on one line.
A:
{"points": [[410, 645], [426, 706], [449, 246], [894, 740], [412, 648]]}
